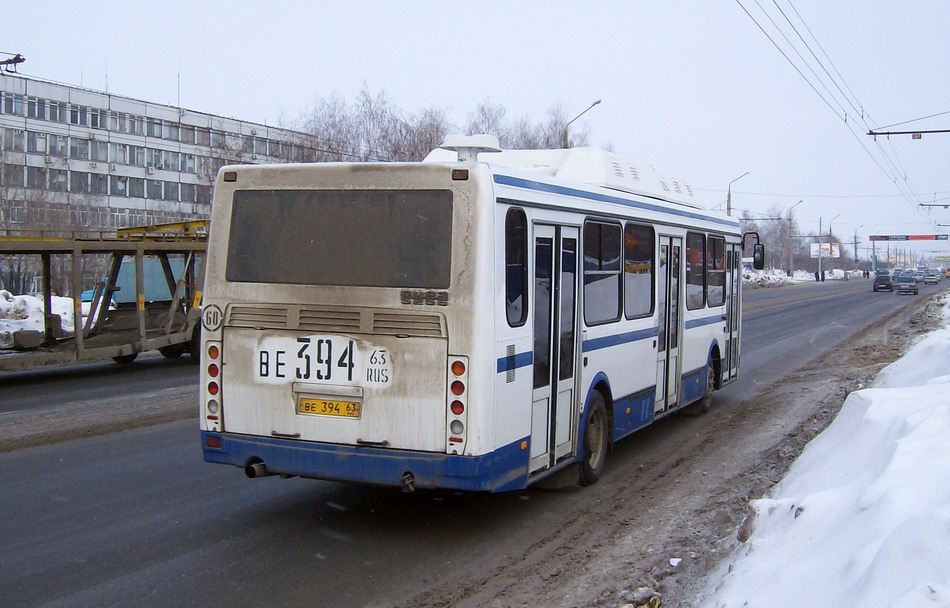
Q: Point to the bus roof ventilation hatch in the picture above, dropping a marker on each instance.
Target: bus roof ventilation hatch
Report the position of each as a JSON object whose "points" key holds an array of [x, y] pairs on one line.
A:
{"points": [[469, 146]]}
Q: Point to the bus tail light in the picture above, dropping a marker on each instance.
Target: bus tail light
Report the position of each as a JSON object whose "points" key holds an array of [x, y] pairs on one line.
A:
{"points": [[211, 380], [456, 402]]}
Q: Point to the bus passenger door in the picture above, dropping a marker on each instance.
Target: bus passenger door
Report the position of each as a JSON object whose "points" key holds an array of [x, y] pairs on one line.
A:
{"points": [[733, 313], [669, 302], [555, 331]]}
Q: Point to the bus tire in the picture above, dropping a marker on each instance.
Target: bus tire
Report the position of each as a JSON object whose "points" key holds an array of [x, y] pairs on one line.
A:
{"points": [[194, 345], [596, 430], [172, 351], [698, 408], [125, 359]]}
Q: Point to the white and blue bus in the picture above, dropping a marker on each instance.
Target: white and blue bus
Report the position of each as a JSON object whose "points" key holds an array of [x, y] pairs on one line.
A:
{"points": [[476, 321]]}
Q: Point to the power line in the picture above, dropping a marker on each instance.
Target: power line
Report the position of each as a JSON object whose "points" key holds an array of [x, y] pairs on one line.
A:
{"points": [[887, 161]]}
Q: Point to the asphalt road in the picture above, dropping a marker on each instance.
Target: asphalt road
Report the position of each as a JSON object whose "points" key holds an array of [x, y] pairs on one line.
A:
{"points": [[137, 518]]}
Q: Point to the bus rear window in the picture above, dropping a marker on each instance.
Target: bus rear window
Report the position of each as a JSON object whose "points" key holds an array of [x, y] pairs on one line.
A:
{"points": [[363, 238]]}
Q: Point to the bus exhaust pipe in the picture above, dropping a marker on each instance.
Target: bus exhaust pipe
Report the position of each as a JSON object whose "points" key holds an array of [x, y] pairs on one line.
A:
{"points": [[257, 469]]}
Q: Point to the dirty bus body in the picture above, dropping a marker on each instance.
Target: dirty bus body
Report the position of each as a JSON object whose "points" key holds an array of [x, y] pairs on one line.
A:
{"points": [[470, 324]]}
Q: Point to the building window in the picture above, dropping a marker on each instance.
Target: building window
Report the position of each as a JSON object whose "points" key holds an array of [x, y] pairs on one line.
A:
{"points": [[57, 111], [13, 140], [13, 175], [99, 151], [36, 107], [137, 156], [153, 158], [695, 270], [79, 115], [154, 189], [170, 160], [187, 163], [98, 119], [58, 145], [153, 127], [14, 103], [203, 195], [78, 148], [136, 125], [187, 193], [170, 191], [98, 183], [78, 182], [117, 122], [202, 136], [716, 270], [603, 254], [36, 142], [118, 185], [136, 187], [170, 130], [187, 134], [58, 179], [35, 177], [119, 154], [639, 253]]}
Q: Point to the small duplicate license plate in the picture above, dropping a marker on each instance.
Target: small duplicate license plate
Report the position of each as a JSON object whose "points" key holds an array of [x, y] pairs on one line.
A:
{"points": [[326, 407]]}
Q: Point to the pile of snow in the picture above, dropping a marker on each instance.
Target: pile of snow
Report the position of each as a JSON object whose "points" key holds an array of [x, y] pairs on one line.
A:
{"points": [[863, 516], [26, 313], [777, 278]]}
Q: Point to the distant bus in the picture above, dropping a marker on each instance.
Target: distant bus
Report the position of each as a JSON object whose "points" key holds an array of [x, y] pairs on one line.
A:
{"points": [[477, 321]]}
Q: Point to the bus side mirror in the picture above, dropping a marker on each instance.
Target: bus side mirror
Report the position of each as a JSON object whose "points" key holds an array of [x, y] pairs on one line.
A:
{"points": [[758, 256]]}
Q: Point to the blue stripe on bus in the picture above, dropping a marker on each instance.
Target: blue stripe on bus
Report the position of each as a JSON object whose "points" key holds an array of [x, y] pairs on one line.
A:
{"points": [[504, 469], [507, 180], [506, 364], [704, 321], [614, 340]]}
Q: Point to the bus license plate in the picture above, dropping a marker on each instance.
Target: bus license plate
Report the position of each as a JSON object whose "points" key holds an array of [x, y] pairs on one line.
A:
{"points": [[326, 407]]}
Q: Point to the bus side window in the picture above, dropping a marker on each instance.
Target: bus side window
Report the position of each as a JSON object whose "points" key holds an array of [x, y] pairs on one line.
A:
{"points": [[516, 267], [639, 251], [603, 255], [716, 270], [695, 270]]}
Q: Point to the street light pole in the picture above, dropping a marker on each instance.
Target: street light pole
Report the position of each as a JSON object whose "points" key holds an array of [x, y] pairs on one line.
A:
{"points": [[791, 238], [855, 243], [729, 193], [566, 141]]}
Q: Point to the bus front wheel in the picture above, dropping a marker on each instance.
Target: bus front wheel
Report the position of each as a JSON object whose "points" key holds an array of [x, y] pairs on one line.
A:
{"points": [[595, 440]]}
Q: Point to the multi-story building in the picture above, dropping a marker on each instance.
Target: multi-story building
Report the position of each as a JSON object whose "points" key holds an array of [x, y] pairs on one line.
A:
{"points": [[73, 157]]}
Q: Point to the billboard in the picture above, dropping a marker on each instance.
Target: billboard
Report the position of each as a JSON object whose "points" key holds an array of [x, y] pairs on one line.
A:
{"points": [[828, 250]]}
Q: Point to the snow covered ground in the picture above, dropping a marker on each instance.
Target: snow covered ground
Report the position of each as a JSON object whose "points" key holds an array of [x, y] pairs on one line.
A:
{"points": [[863, 517], [26, 312]]}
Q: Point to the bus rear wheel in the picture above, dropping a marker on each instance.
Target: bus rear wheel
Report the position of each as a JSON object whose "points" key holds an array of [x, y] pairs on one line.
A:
{"points": [[702, 406], [595, 440]]}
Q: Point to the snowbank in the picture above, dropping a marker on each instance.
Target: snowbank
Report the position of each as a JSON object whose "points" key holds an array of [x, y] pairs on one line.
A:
{"points": [[26, 313], [863, 517], [777, 278]]}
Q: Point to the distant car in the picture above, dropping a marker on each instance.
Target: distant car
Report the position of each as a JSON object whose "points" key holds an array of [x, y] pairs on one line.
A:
{"points": [[906, 284], [931, 278], [882, 282]]}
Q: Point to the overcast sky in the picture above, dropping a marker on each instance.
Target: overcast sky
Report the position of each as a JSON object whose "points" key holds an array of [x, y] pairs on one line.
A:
{"points": [[693, 87]]}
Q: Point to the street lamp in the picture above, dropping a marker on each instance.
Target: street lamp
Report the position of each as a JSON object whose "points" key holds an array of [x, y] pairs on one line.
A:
{"points": [[820, 271], [856, 242], [791, 238], [566, 142], [729, 193]]}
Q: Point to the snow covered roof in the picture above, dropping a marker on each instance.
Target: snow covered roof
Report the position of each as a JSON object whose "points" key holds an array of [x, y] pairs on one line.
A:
{"points": [[586, 165]]}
